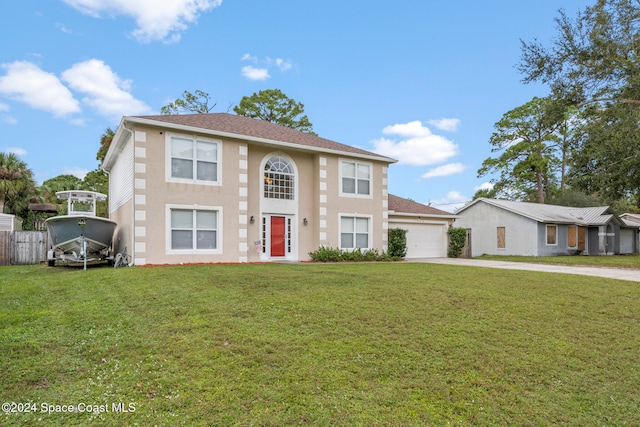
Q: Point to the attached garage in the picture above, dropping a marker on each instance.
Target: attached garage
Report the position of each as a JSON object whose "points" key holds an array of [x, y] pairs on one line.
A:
{"points": [[424, 240], [426, 227]]}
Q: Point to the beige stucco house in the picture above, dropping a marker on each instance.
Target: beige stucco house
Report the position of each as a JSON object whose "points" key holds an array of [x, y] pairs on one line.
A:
{"points": [[224, 188]]}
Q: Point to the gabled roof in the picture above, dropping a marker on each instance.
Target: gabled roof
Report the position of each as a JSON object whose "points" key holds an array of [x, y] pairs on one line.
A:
{"points": [[401, 205], [632, 220], [599, 215], [259, 131]]}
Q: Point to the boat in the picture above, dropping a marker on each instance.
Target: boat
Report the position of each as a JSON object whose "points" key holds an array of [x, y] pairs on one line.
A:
{"points": [[80, 236]]}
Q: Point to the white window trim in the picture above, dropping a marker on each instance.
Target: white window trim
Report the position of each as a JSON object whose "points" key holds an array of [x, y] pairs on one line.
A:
{"points": [[219, 242], [369, 232], [546, 235], [169, 178], [263, 164], [356, 195]]}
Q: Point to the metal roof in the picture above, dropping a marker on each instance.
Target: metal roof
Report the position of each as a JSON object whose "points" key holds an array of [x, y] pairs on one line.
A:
{"points": [[598, 215]]}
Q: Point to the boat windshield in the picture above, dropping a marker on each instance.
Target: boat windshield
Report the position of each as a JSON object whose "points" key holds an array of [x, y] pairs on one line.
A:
{"points": [[81, 207]]}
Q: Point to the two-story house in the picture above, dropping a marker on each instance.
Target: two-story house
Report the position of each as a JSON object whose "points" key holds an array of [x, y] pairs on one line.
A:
{"points": [[224, 188]]}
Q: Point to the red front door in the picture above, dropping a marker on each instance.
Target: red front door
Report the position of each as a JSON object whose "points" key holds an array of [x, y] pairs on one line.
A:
{"points": [[277, 236]]}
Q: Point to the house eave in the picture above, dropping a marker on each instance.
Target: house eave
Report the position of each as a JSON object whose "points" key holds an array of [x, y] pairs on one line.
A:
{"points": [[423, 215]]}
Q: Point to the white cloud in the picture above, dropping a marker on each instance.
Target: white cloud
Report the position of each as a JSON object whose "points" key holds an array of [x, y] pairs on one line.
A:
{"points": [[16, 150], [27, 83], [284, 65], [156, 20], [4, 107], [63, 28], [451, 202], [484, 186], [261, 70], [445, 170], [417, 146], [248, 57], [449, 125], [253, 73], [10, 120], [77, 172], [104, 90]]}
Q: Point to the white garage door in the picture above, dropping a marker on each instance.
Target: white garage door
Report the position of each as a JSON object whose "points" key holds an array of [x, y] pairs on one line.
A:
{"points": [[424, 240]]}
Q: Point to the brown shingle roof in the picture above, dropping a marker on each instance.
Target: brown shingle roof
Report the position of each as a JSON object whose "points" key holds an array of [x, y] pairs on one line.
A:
{"points": [[401, 205], [258, 129]]}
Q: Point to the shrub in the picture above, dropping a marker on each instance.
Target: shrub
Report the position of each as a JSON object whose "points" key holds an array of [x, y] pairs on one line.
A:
{"points": [[457, 240], [326, 254], [397, 243]]}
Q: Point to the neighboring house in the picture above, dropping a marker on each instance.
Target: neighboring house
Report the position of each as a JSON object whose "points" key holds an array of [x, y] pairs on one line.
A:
{"points": [[501, 227], [225, 188], [426, 227], [10, 222]]}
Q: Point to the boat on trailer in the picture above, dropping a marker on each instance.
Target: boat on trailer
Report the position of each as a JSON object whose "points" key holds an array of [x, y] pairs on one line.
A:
{"points": [[80, 236]]}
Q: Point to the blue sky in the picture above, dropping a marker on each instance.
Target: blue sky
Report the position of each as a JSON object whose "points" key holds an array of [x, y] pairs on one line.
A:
{"points": [[421, 81]]}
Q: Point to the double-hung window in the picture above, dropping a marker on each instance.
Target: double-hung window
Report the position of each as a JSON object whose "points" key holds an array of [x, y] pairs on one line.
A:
{"points": [[194, 230], [194, 159], [356, 178], [354, 232]]}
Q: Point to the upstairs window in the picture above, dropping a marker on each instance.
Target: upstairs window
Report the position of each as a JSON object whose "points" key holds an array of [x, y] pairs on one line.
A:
{"points": [[194, 159], [279, 179], [356, 178]]}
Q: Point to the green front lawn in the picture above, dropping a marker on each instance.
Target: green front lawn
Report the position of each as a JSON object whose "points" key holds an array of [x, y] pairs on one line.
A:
{"points": [[397, 344], [617, 261]]}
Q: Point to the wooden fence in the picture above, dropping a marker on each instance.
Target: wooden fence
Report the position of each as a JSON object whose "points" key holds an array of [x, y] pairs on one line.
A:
{"points": [[23, 247]]}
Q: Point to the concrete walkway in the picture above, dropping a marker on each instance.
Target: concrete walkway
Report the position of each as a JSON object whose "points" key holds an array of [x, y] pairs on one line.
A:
{"points": [[609, 273]]}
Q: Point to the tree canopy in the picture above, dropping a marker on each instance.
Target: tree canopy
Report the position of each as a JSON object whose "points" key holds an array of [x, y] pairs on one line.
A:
{"points": [[198, 102], [274, 106], [592, 64], [527, 138], [17, 186]]}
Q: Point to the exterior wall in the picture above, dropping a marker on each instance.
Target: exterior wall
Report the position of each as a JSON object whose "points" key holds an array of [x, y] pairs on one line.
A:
{"points": [[123, 235], [521, 234], [238, 197], [121, 193], [338, 205], [562, 243]]}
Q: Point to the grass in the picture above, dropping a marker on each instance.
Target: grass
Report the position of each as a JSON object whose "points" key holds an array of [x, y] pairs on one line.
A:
{"points": [[616, 261], [342, 344]]}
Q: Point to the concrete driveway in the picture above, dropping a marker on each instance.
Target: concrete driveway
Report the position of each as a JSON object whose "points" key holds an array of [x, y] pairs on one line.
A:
{"points": [[609, 273]]}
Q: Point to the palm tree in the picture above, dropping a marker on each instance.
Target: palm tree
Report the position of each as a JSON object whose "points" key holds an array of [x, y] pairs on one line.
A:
{"points": [[105, 143], [17, 186]]}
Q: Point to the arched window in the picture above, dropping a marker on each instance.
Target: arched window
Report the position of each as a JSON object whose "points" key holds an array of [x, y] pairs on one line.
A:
{"points": [[279, 179]]}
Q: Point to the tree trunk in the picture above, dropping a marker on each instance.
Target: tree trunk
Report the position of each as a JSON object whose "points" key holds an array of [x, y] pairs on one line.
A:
{"points": [[540, 186]]}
